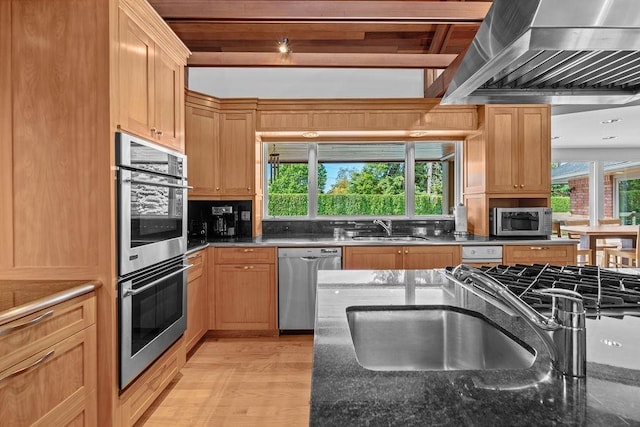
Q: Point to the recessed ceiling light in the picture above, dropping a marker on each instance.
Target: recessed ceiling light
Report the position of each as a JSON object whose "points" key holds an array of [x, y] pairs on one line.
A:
{"points": [[417, 133], [310, 134], [609, 137], [608, 122]]}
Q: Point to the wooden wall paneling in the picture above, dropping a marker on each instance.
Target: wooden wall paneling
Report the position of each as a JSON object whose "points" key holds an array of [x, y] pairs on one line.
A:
{"points": [[283, 120], [338, 120], [393, 120], [6, 142], [463, 119]]}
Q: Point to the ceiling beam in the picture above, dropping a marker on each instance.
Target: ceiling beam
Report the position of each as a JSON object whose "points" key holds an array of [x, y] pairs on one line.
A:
{"points": [[439, 86], [381, 10], [322, 60]]}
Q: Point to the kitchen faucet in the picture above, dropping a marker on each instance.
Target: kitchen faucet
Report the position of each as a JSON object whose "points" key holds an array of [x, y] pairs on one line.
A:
{"points": [[563, 333], [386, 225]]}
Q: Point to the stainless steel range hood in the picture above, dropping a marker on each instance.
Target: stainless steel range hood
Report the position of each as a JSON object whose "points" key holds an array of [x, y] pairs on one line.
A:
{"points": [[552, 52]]}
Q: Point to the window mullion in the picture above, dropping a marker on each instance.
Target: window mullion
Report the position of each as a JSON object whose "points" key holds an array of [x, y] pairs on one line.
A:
{"points": [[313, 180], [410, 179]]}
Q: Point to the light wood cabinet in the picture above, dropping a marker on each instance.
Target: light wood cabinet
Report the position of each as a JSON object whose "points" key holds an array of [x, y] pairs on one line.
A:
{"points": [[151, 82], [245, 289], [139, 396], [519, 149], [224, 157], [400, 257], [48, 366], [539, 254], [197, 313]]}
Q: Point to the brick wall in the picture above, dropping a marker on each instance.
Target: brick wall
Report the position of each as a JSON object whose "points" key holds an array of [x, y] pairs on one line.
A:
{"points": [[580, 196]]}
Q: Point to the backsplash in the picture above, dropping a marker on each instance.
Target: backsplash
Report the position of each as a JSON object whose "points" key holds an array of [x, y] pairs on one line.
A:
{"points": [[219, 219], [271, 228]]}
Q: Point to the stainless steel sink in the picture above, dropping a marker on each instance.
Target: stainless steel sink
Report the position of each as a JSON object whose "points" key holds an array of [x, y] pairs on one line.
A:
{"points": [[432, 338], [391, 238]]}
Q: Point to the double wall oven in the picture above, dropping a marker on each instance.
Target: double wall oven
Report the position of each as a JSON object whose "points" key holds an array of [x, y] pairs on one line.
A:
{"points": [[152, 241]]}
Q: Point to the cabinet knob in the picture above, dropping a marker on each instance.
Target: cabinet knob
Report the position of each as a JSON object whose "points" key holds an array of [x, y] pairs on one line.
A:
{"points": [[248, 188], [159, 133], [217, 188], [406, 251], [153, 130], [521, 185], [515, 185], [399, 252]]}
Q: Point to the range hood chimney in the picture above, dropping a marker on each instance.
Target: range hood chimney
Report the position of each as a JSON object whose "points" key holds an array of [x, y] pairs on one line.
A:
{"points": [[552, 52]]}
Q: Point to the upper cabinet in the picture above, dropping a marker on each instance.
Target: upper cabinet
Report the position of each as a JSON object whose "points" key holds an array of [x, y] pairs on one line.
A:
{"points": [[519, 149], [513, 154], [150, 81], [224, 156]]}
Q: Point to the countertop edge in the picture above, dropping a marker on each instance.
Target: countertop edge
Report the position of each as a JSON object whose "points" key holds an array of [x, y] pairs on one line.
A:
{"points": [[48, 301]]}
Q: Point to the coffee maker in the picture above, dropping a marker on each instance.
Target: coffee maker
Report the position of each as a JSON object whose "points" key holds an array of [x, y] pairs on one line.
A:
{"points": [[225, 221]]}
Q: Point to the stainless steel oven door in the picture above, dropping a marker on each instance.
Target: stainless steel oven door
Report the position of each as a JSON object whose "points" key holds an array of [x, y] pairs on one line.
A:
{"points": [[152, 219], [152, 315]]}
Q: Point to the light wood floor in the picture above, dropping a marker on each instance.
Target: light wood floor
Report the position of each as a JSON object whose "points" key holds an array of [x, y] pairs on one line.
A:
{"points": [[239, 382]]}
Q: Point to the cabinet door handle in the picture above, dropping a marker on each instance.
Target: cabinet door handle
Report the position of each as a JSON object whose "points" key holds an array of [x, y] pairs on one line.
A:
{"points": [[539, 248], [159, 133], [153, 131], [28, 368], [26, 324]]}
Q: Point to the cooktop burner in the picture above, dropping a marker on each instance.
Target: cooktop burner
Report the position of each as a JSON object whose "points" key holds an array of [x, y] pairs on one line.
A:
{"points": [[605, 292]]}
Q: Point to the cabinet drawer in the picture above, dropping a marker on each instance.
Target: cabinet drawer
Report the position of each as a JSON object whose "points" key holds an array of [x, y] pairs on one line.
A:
{"points": [[256, 255], [31, 334], [136, 399], [55, 386], [539, 254], [197, 260]]}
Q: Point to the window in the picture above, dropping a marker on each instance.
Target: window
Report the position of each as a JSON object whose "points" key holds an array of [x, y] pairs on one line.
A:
{"points": [[328, 180]]}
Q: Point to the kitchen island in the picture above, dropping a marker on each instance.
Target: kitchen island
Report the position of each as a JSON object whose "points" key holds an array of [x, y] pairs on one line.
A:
{"points": [[345, 393]]}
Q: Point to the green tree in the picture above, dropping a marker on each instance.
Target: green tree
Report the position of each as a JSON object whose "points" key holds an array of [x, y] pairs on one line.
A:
{"points": [[377, 178], [293, 178]]}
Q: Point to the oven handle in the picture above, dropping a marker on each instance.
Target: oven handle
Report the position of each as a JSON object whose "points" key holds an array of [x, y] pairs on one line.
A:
{"points": [[131, 292], [156, 184]]}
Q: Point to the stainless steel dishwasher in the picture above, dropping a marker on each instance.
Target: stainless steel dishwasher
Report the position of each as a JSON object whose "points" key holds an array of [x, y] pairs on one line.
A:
{"points": [[297, 280]]}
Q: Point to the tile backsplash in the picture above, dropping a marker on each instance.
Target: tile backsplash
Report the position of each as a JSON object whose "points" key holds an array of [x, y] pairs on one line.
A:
{"points": [[431, 227]]}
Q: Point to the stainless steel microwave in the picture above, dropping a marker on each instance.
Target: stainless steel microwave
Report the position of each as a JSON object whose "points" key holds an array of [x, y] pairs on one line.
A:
{"points": [[520, 222]]}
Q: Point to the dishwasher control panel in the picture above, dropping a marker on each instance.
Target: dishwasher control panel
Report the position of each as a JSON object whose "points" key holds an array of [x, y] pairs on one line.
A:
{"points": [[482, 254]]}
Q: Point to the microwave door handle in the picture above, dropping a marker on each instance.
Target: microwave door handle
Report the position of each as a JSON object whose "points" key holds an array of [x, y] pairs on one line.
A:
{"points": [[131, 292], [156, 184]]}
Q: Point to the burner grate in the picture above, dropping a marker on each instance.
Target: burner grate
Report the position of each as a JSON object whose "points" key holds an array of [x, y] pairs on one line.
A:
{"points": [[603, 290]]}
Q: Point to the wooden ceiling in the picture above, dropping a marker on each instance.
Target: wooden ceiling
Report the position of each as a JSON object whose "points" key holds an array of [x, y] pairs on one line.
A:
{"points": [[426, 34]]}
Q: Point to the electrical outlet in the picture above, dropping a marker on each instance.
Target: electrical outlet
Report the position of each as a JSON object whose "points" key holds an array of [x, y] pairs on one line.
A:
{"points": [[245, 215]]}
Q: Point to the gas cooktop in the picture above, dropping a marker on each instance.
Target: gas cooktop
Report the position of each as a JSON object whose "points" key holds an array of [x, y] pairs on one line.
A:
{"points": [[605, 292]]}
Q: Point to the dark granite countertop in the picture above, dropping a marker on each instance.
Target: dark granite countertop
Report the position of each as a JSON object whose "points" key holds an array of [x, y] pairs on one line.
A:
{"points": [[315, 240], [344, 393]]}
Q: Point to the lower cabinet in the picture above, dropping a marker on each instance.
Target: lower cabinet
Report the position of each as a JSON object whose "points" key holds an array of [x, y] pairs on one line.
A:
{"points": [[197, 312], [400, 257], [48, 374], [245, 289], [539, 254], [139, 396]]}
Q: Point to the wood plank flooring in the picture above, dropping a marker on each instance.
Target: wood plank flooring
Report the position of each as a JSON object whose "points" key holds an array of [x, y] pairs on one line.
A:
{"points": [[239, 382]]}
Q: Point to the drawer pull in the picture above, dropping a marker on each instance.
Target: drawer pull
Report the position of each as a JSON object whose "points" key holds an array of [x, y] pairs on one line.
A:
{"points": [[31, 322], [539, 248], [30, 367], [248, 250], [248, 267]]}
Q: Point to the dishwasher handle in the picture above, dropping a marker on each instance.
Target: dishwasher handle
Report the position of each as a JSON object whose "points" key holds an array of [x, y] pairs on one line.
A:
{"points": [[309, 258]]}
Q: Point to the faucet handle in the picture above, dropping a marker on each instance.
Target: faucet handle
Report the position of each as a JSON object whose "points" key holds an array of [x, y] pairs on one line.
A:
{"points": [[568, 306]]}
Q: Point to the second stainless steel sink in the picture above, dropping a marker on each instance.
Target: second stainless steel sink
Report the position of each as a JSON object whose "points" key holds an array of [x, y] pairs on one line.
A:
{"points": [[432, 338]]}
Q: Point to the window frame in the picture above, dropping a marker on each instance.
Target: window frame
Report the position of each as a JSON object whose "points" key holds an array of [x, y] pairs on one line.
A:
{"points": [[409, 184]]}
